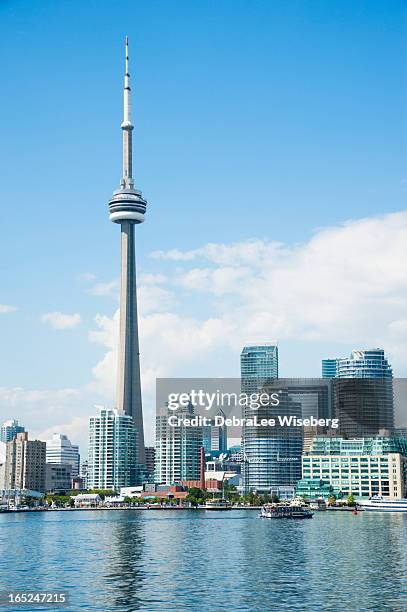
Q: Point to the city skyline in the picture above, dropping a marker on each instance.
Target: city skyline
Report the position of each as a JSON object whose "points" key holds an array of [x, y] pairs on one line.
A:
{"points": [[276, 275]]}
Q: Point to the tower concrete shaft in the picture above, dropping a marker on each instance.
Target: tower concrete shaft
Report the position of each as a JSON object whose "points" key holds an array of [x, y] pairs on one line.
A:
{"points": [[128, 389], [127, 207]]}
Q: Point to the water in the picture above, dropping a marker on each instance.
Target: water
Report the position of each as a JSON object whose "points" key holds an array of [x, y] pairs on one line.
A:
{"points": [[208, 561]]}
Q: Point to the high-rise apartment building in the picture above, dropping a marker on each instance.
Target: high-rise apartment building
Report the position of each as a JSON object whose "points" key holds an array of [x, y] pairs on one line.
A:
{"points": [[177, 447], [61, 450], [365, 363], [9, 430], [25, 464], [112, 450], [362, 392]]}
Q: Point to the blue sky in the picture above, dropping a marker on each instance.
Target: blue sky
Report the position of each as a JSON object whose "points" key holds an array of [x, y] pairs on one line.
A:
{"points": [[254, 121]]}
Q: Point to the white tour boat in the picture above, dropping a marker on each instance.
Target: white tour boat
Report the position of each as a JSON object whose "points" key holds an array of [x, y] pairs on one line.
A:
{"points": [[378, 504]]}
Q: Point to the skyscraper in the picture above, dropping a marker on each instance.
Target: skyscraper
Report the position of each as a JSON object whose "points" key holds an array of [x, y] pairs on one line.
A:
{"points": [[9, 430], [127, 207], [112, 450], [61, 450], [177, 448], [271, 456], [25, 464], [365, 363], [363, 393], [258, 363]]}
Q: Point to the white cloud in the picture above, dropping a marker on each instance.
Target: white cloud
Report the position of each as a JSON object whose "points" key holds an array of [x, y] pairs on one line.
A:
{"points": [[240, 253], [110, 289], [76, 429], [87, 276], [152, 279], [60, 320], [6, 308], [347, 284]]}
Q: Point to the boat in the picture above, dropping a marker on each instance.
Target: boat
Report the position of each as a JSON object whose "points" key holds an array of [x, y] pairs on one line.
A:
{"points": [[217, 504], [378, 504], [290, 511]]}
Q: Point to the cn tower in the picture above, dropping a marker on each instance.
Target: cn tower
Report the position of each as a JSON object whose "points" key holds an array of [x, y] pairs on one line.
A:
{"points": [[127, 207]]}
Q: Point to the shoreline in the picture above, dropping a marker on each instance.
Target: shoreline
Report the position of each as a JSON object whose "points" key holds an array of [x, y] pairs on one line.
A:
{"points": [[136, 508]]}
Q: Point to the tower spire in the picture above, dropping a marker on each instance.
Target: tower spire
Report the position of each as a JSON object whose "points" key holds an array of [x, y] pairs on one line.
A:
{"points": [[127, 181]]}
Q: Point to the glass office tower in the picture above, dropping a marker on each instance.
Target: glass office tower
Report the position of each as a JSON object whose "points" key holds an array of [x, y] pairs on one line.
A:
{"points": [[271, 455]]}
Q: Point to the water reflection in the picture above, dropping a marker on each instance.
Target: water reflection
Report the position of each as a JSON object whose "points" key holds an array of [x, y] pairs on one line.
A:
{"points": [[123, 582]]}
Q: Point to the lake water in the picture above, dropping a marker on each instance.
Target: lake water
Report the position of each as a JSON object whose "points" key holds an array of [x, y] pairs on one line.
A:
{"points": [[207, 561]]}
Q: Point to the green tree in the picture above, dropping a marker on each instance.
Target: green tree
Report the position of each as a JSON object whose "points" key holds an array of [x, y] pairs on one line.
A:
{"points": [[195, 496], [332, 500], [351, 500]]}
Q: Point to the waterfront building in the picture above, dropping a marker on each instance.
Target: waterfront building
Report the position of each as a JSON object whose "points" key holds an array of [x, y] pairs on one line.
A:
{"points": [[61, 450], [283, 493], [361, 466], [87, 500], [315, 488], [58, 476], [178, 448], [258, 367], [363, 398], [150, 463], [272, 454], [127, 208], [9, 430], [25, 464], [112, 450]]}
